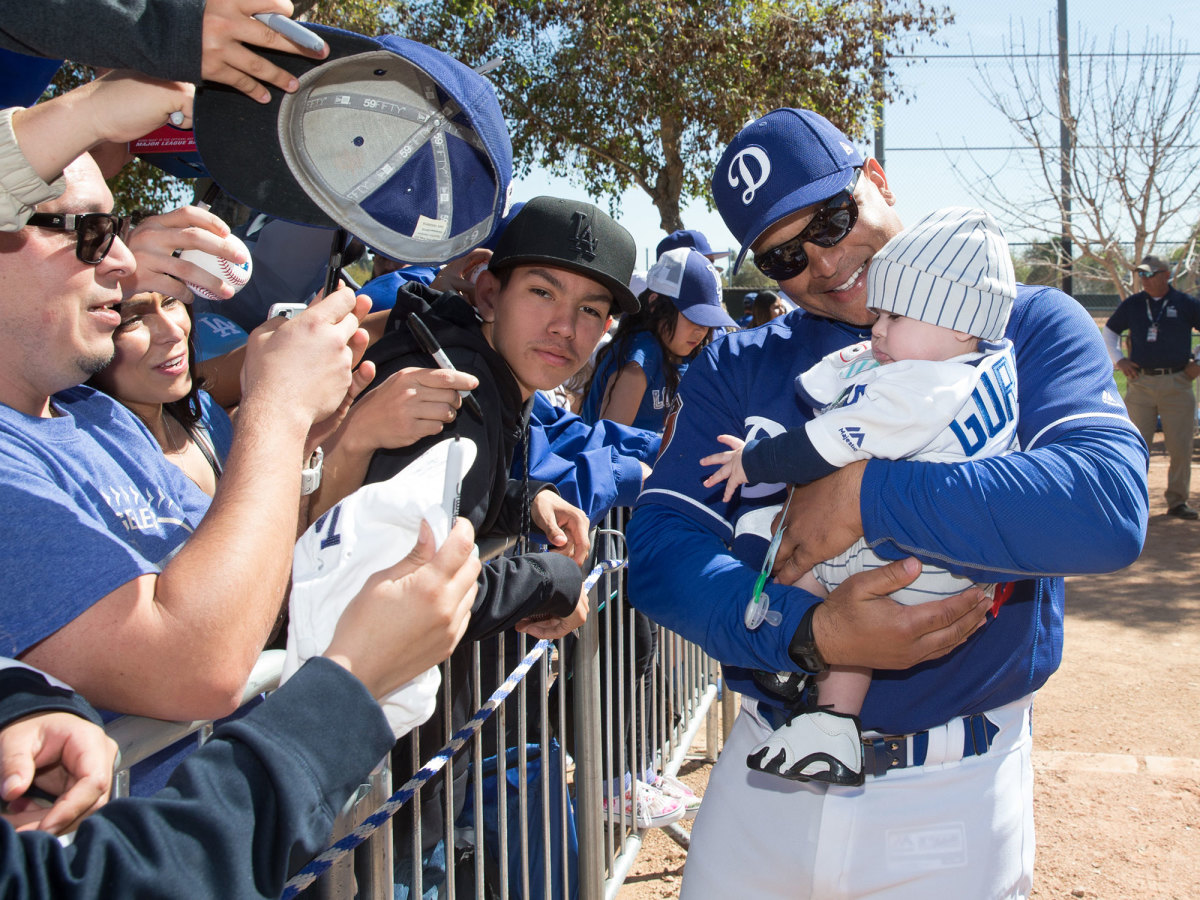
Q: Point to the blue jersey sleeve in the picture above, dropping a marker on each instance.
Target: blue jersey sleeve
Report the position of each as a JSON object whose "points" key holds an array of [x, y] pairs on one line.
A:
{"points": [[694, 560], [594, 467], [1074, 502]]}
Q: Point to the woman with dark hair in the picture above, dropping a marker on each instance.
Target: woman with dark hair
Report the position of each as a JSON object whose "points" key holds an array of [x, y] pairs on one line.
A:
{"points": [[153, 375], [638, 373], [767, 306]]}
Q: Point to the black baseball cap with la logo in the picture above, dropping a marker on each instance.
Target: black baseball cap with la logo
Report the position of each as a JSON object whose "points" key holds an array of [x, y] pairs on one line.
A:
{"points": [[575, 235]]}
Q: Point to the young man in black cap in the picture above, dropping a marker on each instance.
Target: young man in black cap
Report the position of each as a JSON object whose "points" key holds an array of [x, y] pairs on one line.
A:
{"points": [[540, 308]]}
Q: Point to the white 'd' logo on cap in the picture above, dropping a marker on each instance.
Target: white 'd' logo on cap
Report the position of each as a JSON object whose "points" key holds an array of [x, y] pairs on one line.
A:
{"points": [[743, 174]]}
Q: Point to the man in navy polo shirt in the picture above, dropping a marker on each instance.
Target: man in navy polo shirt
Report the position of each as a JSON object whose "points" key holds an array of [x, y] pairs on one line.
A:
{"points": [[1160, 370]]}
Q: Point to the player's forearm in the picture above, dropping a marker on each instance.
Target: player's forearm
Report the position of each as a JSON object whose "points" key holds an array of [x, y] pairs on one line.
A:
{"points": [[685, 578], [1072, 507]]}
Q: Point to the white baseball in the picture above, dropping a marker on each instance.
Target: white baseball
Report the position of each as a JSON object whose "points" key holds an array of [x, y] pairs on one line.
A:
{"points": [[233, 274]]}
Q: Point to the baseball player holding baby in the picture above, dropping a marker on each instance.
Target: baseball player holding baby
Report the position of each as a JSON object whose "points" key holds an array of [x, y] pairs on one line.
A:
{"points": [[946, 807]]}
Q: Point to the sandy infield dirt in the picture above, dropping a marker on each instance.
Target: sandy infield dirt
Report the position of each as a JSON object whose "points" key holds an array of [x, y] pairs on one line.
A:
{"points": [[1116, 734]]}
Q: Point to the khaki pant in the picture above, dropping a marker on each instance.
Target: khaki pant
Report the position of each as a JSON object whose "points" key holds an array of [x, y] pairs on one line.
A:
{"points": [[1169, 397]]}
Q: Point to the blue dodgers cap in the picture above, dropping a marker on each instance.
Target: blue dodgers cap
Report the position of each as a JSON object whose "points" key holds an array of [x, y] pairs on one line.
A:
{"points": [[687, 238], [693, 285], [403, 146], [776, 166]]}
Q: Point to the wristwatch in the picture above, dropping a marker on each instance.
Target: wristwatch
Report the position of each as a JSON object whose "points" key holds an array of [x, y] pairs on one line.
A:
{"points": [[310, 475], [803, 647]]}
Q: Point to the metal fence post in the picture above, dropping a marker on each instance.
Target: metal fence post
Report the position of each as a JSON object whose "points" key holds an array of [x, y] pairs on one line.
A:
{"points": [[585, 702]]}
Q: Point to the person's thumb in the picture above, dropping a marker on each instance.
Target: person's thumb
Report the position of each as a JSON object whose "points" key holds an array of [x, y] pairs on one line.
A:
{"points": [[17, 767], [421, 553], [885, 581], [554, 534]]}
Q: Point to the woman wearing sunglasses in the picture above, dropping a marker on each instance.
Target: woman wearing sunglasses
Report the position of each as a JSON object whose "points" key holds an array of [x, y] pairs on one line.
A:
{"points": [[153, 375], [638, 373]]}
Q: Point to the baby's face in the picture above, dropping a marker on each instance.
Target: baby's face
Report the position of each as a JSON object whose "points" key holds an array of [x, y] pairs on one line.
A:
{"points": [[895, 337]]}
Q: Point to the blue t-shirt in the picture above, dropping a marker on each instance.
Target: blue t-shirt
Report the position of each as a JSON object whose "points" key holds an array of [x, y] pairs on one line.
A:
{"points": [[90, 503], [645, 350]]}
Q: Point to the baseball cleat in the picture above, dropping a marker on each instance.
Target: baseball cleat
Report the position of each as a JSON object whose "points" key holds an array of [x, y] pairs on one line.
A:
{"points": [[813, 745]]}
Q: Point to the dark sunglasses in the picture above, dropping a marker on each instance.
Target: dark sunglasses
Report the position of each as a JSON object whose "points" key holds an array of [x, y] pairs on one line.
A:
{"points": [[94, 232], [828, 227]]}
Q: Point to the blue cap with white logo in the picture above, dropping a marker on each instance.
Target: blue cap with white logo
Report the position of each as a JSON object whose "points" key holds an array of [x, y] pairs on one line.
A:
{"points": [[776, 166], [692, 284]]}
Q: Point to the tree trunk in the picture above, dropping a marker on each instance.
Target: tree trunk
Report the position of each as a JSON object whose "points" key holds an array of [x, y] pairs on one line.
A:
{"points": [[669, 184]]}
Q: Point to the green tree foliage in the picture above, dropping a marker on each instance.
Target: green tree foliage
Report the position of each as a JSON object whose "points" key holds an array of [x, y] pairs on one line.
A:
{"points": [[618, 93]]}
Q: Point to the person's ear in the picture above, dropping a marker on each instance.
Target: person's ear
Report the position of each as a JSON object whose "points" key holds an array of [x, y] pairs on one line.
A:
{"points": [[487, 292], [874, 173]]}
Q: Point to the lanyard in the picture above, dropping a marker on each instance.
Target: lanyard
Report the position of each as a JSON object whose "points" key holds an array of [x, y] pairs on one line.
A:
{"points": [[1161, 310]]}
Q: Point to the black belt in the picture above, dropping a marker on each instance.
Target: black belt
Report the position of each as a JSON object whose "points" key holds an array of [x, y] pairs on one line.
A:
{"points": [[1168, 370]]}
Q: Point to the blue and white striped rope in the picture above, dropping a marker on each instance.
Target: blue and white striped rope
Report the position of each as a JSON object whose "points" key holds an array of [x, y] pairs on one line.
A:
{"points": [[321, 863]]}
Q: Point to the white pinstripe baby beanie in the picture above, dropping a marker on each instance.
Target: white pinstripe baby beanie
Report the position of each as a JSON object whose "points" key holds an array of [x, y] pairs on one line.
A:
{"points": [[952, 269]]}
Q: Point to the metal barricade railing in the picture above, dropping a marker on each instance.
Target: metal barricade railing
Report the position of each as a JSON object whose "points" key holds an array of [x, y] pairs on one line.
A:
{"points": [[597, 709]]}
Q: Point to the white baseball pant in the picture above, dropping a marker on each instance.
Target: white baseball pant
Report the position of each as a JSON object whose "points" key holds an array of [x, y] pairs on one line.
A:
{"points": [[954, 828]]}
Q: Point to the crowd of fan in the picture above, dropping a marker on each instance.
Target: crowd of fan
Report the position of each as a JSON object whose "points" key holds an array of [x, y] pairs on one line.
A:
{"points": [[151, 496]]}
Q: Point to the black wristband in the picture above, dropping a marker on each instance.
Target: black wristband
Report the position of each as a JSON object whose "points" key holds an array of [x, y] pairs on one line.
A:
{"points": [[803, 647]]}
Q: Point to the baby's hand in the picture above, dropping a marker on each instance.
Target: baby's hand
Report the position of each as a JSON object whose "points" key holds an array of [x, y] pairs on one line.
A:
{"points": [[730, 461]]}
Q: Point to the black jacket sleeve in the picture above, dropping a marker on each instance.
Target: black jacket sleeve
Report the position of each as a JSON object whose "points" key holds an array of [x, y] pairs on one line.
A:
{"points": [[237, 818], [158, 37], [512, 588], [24, 691]]}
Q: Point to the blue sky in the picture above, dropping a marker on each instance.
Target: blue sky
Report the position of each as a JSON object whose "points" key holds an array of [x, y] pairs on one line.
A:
{"points": [[943, 109]]}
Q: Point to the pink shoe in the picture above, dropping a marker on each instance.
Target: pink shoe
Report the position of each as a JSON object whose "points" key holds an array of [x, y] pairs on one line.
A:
{"points": [[654, 808], [675, 788]]}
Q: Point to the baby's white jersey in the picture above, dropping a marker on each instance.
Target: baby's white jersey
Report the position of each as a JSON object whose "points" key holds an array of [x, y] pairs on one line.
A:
{"points": [[929, 410]]}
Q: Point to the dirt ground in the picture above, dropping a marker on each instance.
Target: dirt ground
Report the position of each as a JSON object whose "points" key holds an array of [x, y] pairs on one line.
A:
{"points": [[1117, 779]]}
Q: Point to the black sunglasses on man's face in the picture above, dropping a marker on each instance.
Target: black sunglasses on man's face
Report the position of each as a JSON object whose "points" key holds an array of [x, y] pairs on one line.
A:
{"points": [[828, 227], [94, 232]]}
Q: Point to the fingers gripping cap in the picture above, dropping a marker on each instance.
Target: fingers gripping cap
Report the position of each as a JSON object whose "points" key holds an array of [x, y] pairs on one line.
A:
{"points": [[953, 269], [776, 166]]}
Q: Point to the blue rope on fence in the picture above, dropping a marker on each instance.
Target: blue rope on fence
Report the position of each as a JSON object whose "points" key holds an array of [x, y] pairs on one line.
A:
{"points": [[322, 862]]}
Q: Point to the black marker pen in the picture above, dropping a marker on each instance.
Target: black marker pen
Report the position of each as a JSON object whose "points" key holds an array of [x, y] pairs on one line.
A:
{"points": [[430, 345]]}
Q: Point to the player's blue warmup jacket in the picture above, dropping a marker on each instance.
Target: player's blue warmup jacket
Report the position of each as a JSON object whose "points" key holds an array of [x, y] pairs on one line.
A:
{"points": [[1075, 503]]}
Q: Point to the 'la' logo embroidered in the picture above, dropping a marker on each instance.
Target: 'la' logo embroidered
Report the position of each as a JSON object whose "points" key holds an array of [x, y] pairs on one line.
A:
{"points": [[583, 239]]}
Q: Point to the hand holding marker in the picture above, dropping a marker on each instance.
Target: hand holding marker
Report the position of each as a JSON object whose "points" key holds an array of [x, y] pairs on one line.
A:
{"points": [[430, 345], [292, 30]]}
